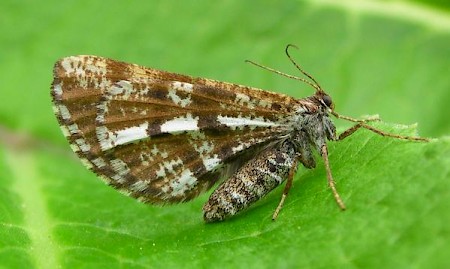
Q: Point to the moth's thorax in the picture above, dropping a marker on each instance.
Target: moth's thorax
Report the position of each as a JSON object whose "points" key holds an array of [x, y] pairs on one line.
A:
{"points": [[312, 123], [308, 105]]}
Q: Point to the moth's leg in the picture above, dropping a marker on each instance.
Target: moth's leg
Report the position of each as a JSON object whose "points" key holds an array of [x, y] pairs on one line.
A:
{"points": [[324, 153], [362, 124], [287, 187], [349, 131], [371, 118], [359, 125]]}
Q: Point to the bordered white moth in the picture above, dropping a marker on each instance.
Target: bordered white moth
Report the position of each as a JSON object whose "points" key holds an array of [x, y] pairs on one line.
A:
{"points": [[165, 138]]}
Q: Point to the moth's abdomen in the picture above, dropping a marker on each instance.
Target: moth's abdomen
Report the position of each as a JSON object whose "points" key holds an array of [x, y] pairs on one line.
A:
{"points": [[251, 182]]}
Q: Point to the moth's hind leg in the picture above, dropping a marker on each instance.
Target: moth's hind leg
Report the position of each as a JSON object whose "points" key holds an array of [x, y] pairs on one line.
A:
{"points": [[287, 187]]}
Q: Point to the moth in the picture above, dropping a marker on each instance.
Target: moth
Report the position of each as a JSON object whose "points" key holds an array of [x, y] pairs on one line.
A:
{"points": [[165, 138]]}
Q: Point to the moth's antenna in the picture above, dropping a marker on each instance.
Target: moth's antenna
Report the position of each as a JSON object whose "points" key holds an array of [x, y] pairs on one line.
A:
{"points": [[317, 86], [285, 75]]}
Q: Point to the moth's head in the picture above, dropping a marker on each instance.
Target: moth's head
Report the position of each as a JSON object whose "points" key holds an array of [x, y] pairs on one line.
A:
{"points": [[325, 100]]}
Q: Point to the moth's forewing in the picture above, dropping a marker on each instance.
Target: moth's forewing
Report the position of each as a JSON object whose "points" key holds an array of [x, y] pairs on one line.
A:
{"points": [[158, 136]]}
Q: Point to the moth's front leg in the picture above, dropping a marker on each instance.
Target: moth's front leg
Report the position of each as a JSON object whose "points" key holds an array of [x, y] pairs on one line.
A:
{"points": [[360, 125], [251, 182]]}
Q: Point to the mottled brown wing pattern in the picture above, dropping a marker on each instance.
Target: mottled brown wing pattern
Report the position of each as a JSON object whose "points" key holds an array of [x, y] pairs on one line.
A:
{"points": [[174, 168], [158, 136]]}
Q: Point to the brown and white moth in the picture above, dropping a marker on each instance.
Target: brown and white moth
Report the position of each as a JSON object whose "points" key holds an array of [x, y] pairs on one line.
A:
{"points": [[165, 138]]}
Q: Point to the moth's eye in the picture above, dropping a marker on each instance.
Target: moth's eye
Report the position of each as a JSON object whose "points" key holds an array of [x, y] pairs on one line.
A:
{"points": [[327, 100]]}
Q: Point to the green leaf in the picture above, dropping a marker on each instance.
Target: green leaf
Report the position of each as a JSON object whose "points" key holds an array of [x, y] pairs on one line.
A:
{"points": [[384, 57], [55, 213]]}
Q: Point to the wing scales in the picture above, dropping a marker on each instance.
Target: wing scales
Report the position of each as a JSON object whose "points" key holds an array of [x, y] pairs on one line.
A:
{"points": [[159, 136]]}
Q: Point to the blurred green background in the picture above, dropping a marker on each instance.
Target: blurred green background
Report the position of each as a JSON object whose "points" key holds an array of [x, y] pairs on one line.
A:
{"points": [[373, 57]]}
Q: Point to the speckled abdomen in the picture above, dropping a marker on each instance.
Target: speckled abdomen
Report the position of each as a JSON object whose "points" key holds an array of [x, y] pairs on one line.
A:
{"points": [[252, 181]]}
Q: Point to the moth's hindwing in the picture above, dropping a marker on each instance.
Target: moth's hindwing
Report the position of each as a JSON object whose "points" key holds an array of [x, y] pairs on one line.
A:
{"points": [[162, 137]]}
